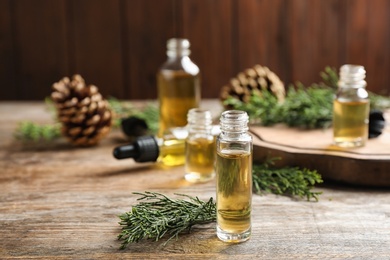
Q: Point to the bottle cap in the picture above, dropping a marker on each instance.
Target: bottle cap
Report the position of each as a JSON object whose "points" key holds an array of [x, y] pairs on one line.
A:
{"points": [[143, 149], [134, 127], [376, 123]]}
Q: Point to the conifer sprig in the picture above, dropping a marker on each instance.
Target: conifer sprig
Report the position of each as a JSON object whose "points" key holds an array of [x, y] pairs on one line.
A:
{"points": [[28, 131], [157, 215], [290, 181]]}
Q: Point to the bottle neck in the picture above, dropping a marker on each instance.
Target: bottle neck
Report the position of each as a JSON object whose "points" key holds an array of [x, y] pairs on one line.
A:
{"points": [[234, 124], [178, 54], [199, 121], [178, 48], [352, 76]]}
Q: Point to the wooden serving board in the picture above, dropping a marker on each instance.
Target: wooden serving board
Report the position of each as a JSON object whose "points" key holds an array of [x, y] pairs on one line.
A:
{"points": [[313, 149]]}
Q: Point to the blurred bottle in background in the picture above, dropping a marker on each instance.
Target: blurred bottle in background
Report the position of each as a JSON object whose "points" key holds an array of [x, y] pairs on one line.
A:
{"points": [[351, 108], [166, 151], [199, 146], [178, 82]]}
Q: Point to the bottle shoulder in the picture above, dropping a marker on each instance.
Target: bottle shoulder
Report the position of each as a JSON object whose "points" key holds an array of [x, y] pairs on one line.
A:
{"points": [[352, 94], [234, 137], [200, 135], [183, 64]]}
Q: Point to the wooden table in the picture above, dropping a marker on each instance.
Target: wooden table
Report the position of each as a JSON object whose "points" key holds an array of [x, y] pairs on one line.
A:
{"points": [[61, 202]]}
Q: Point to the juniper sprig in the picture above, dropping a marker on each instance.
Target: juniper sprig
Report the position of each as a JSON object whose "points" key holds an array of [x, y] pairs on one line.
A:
{"points": [[157, 215], [290, 181], [30, 131]]}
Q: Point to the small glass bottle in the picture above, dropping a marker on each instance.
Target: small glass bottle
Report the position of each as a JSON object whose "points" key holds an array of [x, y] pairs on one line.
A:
{"points": [[200, 146], [234, 177], [178, 82], [166, 151], [351, 108]]}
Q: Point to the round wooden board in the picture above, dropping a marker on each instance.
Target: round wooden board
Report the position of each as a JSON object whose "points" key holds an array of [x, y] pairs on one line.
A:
{"points": [[313, 149]]}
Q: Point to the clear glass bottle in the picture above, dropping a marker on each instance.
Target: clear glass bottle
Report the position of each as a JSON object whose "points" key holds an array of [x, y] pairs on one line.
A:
{"points": [[200, 146], [168, 150], [351, 108], [178, 82], [172, 147], [234, 177]]}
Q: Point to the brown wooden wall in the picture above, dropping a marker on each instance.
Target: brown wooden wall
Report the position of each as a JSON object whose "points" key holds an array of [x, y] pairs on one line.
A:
{"points": [[119, 44]]}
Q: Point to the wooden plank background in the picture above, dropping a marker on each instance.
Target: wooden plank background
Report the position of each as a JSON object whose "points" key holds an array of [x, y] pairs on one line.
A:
{"points": [[119, 44]]}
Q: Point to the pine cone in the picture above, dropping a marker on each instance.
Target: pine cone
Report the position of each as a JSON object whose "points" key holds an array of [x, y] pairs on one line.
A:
{"points": [[254, 79], [84, 114]]}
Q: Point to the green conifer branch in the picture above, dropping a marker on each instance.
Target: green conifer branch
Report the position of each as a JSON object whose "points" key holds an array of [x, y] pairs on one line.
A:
{"points": [[157, 215], [30, 131], [289, 181]]}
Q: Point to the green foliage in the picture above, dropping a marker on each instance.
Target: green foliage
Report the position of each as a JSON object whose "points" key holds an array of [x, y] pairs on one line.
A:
{"points": [[330, 77], [310, 107], [150, 114], [263, 107], [291, 181], [157, 215], [303, 107], [30, 131], [379, 102], [121, 109]]}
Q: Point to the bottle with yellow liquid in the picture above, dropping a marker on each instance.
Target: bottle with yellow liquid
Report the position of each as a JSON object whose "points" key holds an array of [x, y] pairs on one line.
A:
{"points": [[168, 150], [234, 177], [178, 82], [200, 146], [351, 108]]}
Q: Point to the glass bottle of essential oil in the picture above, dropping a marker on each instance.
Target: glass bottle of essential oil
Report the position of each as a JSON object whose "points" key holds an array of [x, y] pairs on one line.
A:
{"points": [[172, 147], [178, 82], [351, 108], [234, 177], [200, 146], [166, 151]]}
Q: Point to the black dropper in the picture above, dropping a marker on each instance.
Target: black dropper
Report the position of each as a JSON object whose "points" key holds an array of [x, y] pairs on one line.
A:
{"points": [[143, 149]]}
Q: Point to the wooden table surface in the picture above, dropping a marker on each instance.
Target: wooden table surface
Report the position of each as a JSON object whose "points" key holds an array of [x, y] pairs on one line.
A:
{"points": [[61, 202]]}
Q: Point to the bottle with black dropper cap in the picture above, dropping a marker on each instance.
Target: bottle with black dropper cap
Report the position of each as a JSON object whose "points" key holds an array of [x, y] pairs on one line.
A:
{"points": [[168, 150], [143, 149]]}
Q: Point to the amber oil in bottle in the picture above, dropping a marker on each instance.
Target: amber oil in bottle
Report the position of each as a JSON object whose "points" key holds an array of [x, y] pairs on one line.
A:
{"points": [[172, 147], [166, 151], [234, 177], [200, 146], [351, 108], [178, 83]]}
